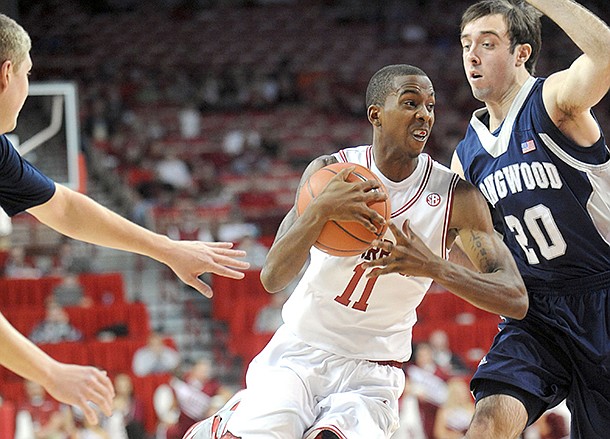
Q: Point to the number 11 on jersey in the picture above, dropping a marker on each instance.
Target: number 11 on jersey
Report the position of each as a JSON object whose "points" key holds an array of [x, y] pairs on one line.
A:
{"points": [[362, 303]]}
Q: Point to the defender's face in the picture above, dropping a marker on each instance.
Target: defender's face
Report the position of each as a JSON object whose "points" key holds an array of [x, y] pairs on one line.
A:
{"points": [[489, 65], [15, 94], [407, 116]]}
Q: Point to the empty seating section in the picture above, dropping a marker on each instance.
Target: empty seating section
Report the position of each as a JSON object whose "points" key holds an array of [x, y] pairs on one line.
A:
{"points": [[237, 303], [103, 288], [22, 302], [25, 292]]}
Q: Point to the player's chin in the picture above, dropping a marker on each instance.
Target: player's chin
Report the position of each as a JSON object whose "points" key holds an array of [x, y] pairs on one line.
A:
{"points": [[416, 146]]}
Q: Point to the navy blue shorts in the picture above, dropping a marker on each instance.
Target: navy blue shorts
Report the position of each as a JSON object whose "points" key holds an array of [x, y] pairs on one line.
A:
{"points": [[560, 350]]}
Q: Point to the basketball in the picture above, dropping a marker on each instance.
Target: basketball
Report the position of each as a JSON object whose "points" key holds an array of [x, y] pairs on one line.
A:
{"points": [[343, 238]]}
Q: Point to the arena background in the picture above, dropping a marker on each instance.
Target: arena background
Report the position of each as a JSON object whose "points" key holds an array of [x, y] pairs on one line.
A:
{"points": [[232, 99]]}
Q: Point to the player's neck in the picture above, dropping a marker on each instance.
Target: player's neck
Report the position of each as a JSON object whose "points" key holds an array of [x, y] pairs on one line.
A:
{"points": [[394, 169], [499, 108]]}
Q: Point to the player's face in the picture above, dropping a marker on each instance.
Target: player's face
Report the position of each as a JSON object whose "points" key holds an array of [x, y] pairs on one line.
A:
{"points": [[490, 67], [408, 114], [16, 93]]}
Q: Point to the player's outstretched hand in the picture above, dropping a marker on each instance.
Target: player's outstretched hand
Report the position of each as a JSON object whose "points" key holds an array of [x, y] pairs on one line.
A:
{"points": [[80, 385], [409, 256], [191, 259]]}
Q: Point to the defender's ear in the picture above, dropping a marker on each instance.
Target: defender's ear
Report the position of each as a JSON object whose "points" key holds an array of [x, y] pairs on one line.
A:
{"points": [[6, 70], [523, 52]]}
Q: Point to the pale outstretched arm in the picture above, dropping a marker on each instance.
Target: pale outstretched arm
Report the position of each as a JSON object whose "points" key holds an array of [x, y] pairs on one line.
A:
{"points": [[68, 383], [571, 93], [79, 217]]}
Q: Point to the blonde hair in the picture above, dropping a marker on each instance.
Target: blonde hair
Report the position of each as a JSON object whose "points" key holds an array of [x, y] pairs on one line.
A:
{"points": [[15, 43]]}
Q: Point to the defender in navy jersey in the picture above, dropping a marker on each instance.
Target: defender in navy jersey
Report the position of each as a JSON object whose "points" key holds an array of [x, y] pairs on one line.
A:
{"points": [[23, 187], [539, 157]]}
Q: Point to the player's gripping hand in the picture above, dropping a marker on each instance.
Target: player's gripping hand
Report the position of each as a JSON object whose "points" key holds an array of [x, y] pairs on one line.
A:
{"points": [[79, 385], [342, 200], [409, 256]]}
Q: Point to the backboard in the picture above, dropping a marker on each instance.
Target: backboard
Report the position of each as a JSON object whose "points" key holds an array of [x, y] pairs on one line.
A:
{"points": [[48, 133]]}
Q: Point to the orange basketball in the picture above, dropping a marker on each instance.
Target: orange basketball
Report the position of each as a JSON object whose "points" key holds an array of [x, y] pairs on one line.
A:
{"points": [[343, 238]]}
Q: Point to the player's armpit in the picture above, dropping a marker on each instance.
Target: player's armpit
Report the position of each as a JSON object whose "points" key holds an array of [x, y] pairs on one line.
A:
{"points": [[456, 165], [459, 256]]}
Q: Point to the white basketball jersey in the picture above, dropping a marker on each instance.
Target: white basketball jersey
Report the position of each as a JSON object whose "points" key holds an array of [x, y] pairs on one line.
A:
{"points": [[336, 308]]}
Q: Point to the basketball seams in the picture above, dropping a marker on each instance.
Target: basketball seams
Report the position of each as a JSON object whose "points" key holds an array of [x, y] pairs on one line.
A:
{"points": [[350, 238], [310, 189], [338, 252], [349, 233]]}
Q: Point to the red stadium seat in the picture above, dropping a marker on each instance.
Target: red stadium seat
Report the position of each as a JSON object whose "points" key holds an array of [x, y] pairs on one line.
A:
{"points": [[24, 318], [144, 389], [7, 419], [91, 320], [103, 288], [22, 292], [113, 356], [237, 302]]}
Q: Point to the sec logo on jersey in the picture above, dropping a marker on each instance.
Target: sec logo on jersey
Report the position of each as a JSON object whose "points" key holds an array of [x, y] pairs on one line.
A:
{"points": [[433, 199]]}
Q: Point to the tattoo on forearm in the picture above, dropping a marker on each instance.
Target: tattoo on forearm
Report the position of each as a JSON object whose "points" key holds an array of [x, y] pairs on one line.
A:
{"points": [[478, 245]]}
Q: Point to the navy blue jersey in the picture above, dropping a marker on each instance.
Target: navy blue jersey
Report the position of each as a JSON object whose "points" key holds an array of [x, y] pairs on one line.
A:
{"points": [[550, 197], [21, 185]]}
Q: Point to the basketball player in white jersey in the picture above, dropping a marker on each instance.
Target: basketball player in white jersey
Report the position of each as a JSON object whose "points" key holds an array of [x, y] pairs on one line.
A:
{"points": [[333, 370]]}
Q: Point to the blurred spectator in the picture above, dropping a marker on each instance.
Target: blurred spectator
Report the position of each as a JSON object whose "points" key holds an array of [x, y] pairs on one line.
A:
{"points": [[185, 401], [188, 225], [85, 430], [234, 142], [173, 171], [256, 251], [128, 414], [166, 409], [190, 122], [155, 357], [17, 265], [411, 422], [251, 157], [286, 82], [236, 229], [265, 90], [96, 125], [69, 292], [444, 357], [209, 92], [74, 257], [202, 376], [269, 317], [55, 327], [193, 396], [42, 417], [454, 415], [429, 385], [553, 424]]}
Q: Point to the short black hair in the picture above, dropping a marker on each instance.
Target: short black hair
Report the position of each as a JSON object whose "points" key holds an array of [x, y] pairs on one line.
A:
{"points": [[382, 82]]}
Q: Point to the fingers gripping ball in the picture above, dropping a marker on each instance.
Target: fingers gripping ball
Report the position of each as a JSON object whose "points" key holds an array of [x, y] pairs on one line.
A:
{"points": [[343, 238]]}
